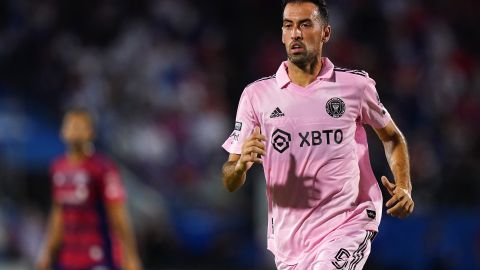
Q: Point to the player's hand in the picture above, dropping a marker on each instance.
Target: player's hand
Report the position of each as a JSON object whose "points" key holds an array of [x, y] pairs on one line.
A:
{"points": [[252, 149], [401, 204], [132, 264], [43, 263]]}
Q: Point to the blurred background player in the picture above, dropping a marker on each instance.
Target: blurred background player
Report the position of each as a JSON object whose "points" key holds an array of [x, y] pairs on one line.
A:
{"points": [[88, 226]]}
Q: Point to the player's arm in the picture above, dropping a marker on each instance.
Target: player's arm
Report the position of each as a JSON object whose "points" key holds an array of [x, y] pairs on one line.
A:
{"points": [[401, 204], [235, 169], [120, 223], [52, 240]]}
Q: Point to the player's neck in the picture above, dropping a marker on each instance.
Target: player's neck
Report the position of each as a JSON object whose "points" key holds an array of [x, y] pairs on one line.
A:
{"points": [[304, 75], [78, 153]]}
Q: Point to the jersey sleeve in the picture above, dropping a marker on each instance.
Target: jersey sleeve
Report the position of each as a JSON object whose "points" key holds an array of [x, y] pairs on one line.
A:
{"points": [[245, 122], [112, 189], [373, 112]]}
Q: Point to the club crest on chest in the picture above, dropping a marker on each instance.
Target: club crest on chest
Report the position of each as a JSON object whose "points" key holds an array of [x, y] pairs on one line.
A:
{"points": [[335, 107]]}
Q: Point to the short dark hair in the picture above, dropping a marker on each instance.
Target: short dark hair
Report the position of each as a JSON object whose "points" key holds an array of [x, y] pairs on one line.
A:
{"points": [[321, 5]]}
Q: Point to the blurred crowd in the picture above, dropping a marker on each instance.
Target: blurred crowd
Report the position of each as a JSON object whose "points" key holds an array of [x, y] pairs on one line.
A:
{"points": [[163, 78]]}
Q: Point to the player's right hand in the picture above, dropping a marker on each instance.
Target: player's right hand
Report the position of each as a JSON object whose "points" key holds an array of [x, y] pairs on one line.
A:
{"points": [[43, 263], [252, 149], [132, 265]]}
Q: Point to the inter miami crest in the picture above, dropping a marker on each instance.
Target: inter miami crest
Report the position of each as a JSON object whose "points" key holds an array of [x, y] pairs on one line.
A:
{"points": [[335, 107]]}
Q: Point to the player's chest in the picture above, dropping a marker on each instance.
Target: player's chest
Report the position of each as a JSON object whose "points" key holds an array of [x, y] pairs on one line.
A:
{"points": [[322, 110], [325, 120], [74, 186]]}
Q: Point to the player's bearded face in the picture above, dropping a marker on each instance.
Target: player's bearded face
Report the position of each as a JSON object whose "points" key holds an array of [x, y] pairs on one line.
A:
{"points": [[303, 33], [304, 57]]}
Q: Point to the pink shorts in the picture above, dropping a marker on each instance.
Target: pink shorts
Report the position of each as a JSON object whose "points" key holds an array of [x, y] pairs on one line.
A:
{"points": [[340, 250]]}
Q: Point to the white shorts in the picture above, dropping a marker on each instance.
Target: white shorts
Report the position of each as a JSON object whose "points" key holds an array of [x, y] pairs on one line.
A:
{"points": [[342, 250]]}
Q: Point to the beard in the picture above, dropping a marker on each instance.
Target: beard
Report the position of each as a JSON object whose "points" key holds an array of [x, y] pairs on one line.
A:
{"points": [[303, 60]]}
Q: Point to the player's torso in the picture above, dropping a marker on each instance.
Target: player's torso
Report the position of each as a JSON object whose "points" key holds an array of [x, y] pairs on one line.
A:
{"points": [[86, 240], [314, 124], [75, 184], [311, 164]]}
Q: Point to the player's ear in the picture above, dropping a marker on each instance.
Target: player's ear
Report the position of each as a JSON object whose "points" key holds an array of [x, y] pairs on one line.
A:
{"points": [[92, 135], [91, 132], [327, 31]]}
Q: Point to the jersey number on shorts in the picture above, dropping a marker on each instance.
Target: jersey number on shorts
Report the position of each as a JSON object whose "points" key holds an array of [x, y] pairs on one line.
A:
{"points": [[341, 258]]}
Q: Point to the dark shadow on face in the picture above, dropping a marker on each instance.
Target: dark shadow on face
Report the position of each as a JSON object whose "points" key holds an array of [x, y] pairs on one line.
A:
{"points": [[299, 191]]}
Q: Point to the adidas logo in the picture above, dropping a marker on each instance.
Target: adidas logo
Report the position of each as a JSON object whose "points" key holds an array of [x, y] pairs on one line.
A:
{"points": [[277, 113]]}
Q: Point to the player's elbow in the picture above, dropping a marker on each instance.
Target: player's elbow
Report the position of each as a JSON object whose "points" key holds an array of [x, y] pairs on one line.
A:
{"points": [[231, 181], [227, 183], [394, 138], [231, 189], [399, 139]]}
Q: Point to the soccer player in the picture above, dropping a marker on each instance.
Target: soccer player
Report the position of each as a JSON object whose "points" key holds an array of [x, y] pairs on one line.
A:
{"points": [[305, 124], [88, 227]]}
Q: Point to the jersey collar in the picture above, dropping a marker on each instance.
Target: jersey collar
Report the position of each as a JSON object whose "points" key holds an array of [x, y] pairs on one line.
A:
{"points": [[325, 74]]}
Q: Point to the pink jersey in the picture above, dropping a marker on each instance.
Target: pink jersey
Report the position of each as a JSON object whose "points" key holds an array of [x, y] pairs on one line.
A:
{"points": [[317, 168]]}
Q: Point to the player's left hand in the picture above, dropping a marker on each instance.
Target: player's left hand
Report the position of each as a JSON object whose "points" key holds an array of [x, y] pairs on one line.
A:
{"points": [[132, 264], [43, 263], [401, 204]]}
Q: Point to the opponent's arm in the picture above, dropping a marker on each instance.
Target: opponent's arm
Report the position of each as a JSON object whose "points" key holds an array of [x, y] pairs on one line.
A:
{"points": [[120, 223], [52, 238], [235, 169], [401, 204]]}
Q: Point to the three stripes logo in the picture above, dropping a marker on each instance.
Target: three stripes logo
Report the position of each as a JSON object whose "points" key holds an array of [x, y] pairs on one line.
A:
{"points": [[277, 113], [352, 71]]}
